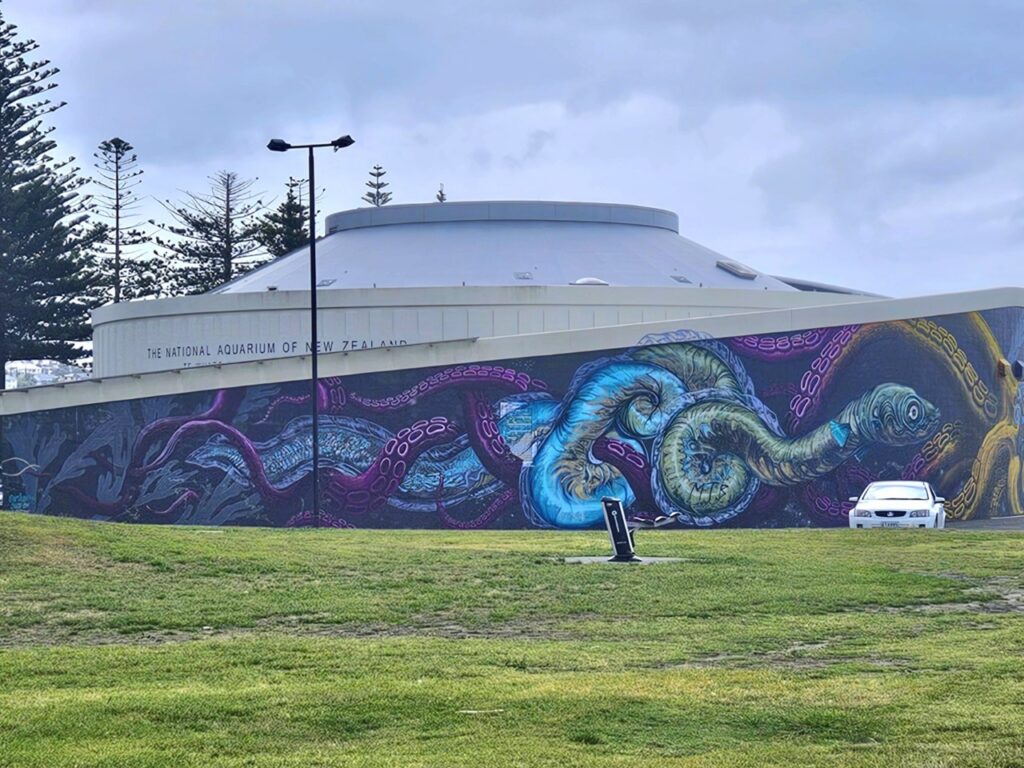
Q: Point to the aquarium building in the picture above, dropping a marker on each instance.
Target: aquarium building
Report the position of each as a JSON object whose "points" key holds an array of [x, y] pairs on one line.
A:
{"points": [[411, 274], [507, 365]]}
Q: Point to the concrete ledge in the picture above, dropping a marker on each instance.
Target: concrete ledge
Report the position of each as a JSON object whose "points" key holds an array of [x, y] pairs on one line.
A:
{"points": [[492, 349], [464, 296], [502, 210]]}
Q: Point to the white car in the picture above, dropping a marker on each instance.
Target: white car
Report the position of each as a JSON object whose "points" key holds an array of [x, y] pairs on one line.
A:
{"points": [[898, 504]]}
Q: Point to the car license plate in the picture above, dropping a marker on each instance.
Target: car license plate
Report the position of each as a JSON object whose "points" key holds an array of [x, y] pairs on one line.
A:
{"points": [[890, 525]]}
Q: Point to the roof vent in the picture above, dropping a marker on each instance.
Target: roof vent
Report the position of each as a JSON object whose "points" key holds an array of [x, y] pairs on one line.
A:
{"points": [[271, 287], [735, 268], [523, 275], [326, 282], [681, 279], [589, 281]]}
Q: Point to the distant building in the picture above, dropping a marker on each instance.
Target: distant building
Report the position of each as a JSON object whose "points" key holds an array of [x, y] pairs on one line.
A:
{"points": [[38, 373]]}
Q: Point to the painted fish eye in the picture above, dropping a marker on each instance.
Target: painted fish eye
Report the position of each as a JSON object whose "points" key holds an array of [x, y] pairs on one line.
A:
{"points": [[913, 411]]}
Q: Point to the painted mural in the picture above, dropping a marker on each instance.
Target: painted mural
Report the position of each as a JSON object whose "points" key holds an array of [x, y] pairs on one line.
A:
{"points": [[773, 430]]}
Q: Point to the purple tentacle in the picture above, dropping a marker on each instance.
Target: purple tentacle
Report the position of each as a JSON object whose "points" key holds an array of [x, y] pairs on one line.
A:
{"points": [[486, 440], [498, 506], [242, 443], [633, 466], [371, 489], [368, 490], [358, 493], [782, 347], [225, 405], [280, 401], [805, 403], [819, 375], [189, 429], [825, 506], [330, 394], [497, 458], [463, 375]]}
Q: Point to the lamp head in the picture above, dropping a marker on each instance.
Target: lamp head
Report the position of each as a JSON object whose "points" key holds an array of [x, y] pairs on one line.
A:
{"points": [[278, 145], [342, 141]]}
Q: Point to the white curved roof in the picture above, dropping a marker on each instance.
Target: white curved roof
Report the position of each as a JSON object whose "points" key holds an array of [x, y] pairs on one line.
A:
{"points": [[504, 243]]}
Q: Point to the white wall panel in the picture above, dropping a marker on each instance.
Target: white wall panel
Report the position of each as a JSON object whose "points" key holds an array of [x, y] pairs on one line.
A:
{"points": [[556, 319], [119, 321], [455, 324], [382, 327], [406, 324], [530, 321], [581, 318], [506, 321], [430, 325], [480, 321], [604, 316], [630, 316], [138, 337]]}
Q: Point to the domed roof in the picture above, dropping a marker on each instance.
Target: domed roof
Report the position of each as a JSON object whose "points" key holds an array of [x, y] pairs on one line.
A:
{"points": [[504, 244]]}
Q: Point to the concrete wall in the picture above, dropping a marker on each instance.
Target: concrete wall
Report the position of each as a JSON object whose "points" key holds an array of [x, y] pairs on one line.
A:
{"points": [[764, 420], [142, 337]]}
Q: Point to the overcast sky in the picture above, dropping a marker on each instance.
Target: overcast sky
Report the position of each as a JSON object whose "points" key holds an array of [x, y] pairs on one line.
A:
{"points": [[873, 144]]}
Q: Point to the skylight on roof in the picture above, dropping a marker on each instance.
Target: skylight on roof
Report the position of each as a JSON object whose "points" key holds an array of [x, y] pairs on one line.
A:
{"points": [[737, 269]]}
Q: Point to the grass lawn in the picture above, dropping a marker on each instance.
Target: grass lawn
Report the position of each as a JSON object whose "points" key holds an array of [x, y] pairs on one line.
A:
{"points": [[151, 646]]}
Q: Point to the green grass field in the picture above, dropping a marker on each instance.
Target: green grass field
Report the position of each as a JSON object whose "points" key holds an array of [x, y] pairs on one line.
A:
{"points": [[136, 645]]}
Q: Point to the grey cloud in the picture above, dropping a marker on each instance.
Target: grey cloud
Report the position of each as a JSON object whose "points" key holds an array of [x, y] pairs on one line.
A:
{"points": [[831, 138], [535, 144], [482, 158], [192, 72], [859, 168]]}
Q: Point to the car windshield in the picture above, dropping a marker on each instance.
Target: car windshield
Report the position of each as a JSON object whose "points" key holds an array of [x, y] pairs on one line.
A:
{"points": [[884, 492]]}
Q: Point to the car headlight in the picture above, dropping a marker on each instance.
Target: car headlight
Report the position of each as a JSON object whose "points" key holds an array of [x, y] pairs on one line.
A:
{"points": [[920, 513], [858, 512]]}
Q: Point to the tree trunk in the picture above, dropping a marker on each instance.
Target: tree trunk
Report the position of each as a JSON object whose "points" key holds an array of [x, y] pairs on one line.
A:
{"points": [[227, 234], [117, 230]]}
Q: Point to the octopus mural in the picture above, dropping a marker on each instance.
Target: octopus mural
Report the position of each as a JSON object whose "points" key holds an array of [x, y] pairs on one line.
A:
{"points": [[757, 431]]}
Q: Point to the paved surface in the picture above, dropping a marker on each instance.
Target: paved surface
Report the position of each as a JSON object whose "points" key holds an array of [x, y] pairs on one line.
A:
{"points": [[993, 524]]}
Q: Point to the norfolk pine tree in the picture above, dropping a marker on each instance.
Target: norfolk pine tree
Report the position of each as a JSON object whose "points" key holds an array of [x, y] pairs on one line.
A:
{"points": [[286, 228], [377, 196], [125, 275], [213, 237], [46, 241]]}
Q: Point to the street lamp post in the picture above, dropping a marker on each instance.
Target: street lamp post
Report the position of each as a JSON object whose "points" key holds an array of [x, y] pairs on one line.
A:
{"points": [[279, 145]]}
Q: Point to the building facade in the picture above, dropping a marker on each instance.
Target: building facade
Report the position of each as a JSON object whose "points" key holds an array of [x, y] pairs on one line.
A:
{"points": [[416, 274], [772, 416]]}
